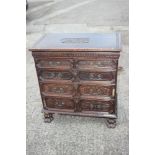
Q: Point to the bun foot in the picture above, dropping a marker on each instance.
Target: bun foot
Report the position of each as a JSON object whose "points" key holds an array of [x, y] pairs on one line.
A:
{"points": [[111, 123], [48, 117]]}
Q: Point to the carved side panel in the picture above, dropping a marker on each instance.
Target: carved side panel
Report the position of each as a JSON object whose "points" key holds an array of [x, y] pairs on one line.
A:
{"points": [[98, 106], [59, 89], [97, 76], [96, 90], [56, 75], [56, 103]]}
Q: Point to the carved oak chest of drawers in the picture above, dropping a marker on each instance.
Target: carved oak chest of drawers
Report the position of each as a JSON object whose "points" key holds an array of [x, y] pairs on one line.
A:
{"points": [[77, 74]]}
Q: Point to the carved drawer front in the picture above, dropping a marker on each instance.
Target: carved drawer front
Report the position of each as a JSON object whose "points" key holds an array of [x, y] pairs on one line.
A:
{"points": [[58, 103], [97, 76], [97, 90], [53, 63], [55, 75], [109, 63], [58, 88], [98, 106]]}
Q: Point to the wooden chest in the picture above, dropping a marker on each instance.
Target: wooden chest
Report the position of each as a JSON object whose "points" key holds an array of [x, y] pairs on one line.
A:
{"points": [[77, 74]]}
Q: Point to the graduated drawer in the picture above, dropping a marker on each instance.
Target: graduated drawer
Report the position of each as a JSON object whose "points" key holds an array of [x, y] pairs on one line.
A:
{"points": [[88, 75], [97, 64], [48, 74], [53, 63], [97, 90], [97, 106], [63, 104], [57, 88]]}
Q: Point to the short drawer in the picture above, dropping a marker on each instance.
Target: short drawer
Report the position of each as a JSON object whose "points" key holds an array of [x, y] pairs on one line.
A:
{"points": [[59, 103], [95, 64], [97, 90], [56, 88], [55, 75], [97, 106], [97, 76], [53, 63]]}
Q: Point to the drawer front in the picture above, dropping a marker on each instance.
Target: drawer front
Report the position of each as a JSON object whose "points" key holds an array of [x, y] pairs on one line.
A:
{"points": [[97, 64], [58, 103], [97, 106], [53, 63], [97, 76], [97, 90], [55, 75], [57, 88]]}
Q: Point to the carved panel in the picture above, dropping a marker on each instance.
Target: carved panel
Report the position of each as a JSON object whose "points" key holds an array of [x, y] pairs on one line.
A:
{"points": [[97, 64], [104, 106], [52, 63], [59, 103], [97, 76], [60, 89], [86, 54], [56, 75], [96, 90]]}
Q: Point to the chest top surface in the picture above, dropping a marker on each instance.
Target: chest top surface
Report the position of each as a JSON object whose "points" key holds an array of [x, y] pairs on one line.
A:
{"points": [[78, 42]]}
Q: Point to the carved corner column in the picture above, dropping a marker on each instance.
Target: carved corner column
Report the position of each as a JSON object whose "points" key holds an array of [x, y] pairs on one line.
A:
{"points": [[76, 96]]}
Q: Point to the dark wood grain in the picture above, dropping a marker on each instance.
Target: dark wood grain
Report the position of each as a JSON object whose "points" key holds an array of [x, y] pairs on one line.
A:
{"points": [[77, 74]]}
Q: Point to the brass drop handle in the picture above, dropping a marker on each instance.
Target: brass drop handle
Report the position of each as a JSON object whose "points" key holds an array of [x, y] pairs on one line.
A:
{"points": [[96, 106], [60, 104]]}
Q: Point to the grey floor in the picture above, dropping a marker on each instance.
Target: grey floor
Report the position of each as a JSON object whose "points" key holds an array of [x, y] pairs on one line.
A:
{"points": [[71, 135]]}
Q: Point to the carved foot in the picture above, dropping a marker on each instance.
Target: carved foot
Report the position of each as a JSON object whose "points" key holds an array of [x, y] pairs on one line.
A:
{"points": [[111, 123], [48, 117]]}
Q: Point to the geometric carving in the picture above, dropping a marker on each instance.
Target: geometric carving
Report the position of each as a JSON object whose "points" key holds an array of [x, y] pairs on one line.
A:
{"points": [[97, 64], [97, 76], [52, 63], [76, 54], [95, 90], [55, 88], [104, 106], [56, 75], [59, 103]]}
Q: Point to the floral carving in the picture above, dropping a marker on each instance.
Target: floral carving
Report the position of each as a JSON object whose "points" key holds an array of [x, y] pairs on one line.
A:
{"points": [[97, 106], [55, 88], [94, 76], [96, 90], [52, 63], [56, 75], [59, 103], [97, 64]]}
